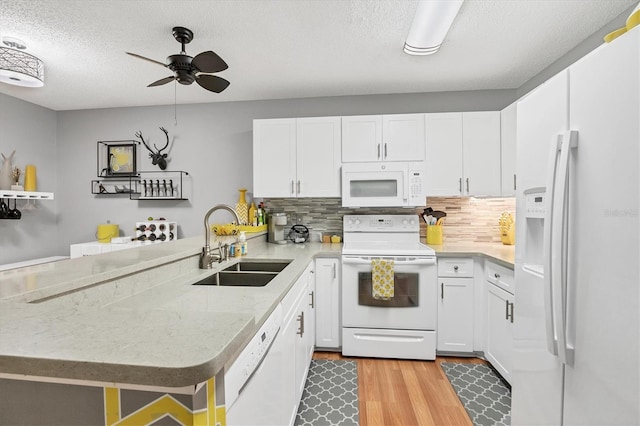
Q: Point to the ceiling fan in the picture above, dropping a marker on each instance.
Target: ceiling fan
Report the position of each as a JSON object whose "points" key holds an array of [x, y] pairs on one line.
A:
{"points": [[187, 69]]}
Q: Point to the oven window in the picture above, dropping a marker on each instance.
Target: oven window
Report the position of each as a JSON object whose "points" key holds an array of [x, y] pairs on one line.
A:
{"points": [[405, 291], [373, 188]]}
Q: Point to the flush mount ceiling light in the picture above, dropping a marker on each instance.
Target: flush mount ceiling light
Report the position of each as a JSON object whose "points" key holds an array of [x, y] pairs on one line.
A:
{"points": [[17, 67], [430, 26]]}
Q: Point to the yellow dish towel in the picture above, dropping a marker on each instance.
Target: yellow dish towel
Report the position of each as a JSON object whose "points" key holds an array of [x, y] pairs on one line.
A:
{"points": [[382, 284]]}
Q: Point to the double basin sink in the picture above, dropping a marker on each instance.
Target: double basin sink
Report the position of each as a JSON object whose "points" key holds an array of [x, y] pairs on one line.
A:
{"points": [[246, 273]]}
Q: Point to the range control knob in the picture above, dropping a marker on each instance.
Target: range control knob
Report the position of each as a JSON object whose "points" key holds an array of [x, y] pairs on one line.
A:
{"points": [[405, 221], [357, 221]]}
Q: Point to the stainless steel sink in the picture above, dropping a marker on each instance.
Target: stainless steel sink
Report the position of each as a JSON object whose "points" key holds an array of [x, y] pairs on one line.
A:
{"points": [[238, 278], [259, 265]]}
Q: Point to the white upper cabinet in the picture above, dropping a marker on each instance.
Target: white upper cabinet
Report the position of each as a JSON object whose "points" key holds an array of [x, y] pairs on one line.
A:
{"points": [[508, 149], [463, 153], [318, 157], [396, 137], [481, 152], [274, 157], [443, 133], [361, 138], [296, 157]]}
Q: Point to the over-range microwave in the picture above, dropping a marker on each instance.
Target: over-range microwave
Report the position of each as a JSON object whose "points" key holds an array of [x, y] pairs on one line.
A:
{"points": [[383, 184]]}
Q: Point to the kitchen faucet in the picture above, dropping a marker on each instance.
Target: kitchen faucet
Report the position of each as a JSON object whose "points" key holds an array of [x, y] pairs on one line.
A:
{"points": [[206, 257]]}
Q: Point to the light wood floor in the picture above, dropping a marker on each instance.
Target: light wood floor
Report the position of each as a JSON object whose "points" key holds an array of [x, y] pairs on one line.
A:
{"points": [[404, 393]]}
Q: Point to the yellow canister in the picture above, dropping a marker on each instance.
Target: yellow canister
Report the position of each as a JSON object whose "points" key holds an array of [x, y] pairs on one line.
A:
{"points": [[106, 232], [30, 182]]}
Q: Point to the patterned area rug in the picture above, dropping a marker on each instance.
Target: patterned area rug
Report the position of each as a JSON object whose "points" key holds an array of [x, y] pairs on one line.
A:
{"points": [[485, 397], [330, 395]]}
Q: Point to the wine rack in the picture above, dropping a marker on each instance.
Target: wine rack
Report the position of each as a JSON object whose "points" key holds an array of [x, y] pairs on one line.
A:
{"points": [[156, 231]]}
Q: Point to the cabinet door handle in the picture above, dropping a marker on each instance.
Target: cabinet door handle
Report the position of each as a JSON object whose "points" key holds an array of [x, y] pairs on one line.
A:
{"points": [[514, 181], [460, 185], [385, 150], [334, 271], [301, 326], [298, 187], [313, 301], [467, 185], [509, 314], [497, 276], [292, 192], [506, 309], [441, 291], [378, 151], [455, 268]]}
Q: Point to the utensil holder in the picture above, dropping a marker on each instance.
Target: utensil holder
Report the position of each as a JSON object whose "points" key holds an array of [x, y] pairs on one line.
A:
{"points": [[434, 234]]}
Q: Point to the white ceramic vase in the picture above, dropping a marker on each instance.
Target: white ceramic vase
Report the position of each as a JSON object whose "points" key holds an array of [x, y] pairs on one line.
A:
{"points": [[6, 174]]}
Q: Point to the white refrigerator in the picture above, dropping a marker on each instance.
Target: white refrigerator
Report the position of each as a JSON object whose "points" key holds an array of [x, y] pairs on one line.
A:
{"points": [[576, 327]]}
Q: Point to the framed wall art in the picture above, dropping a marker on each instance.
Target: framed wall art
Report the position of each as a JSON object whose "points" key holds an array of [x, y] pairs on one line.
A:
{"points": [[117, 158]]}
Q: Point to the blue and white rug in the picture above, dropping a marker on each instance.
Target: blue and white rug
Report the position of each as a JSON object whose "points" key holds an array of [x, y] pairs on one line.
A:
{"points": [[485, 397], [330, 395]]}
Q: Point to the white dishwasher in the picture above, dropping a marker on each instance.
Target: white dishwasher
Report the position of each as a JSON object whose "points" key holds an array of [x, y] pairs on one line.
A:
{"points": [[249, 382]]}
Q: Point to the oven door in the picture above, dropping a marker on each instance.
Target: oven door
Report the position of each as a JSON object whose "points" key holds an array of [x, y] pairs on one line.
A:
{"points": [[413, 306]]}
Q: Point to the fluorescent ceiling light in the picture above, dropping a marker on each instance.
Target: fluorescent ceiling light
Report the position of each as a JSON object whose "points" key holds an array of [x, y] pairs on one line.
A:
{"points": [[430, 25], [19, 68]]}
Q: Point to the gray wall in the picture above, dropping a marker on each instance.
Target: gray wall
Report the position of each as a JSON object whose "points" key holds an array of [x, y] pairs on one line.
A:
{"points": [[30, 130]]}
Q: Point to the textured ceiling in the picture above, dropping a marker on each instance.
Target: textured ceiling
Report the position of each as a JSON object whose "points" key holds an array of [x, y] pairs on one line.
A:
{"points": [[287, 48]]}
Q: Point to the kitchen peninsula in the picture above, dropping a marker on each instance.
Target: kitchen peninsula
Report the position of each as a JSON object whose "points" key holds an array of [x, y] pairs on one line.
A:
{"points": [[98, 332]]}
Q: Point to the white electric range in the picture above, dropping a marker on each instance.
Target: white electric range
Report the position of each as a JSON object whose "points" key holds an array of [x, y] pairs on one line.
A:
{"points": [[403, 326]]}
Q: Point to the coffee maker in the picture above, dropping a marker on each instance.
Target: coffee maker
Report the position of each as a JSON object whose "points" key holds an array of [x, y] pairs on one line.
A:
{"points": [[277, 228]]}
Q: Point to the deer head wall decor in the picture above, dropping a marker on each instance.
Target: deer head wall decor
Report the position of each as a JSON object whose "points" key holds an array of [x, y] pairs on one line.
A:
{"points": [[157, 157]]}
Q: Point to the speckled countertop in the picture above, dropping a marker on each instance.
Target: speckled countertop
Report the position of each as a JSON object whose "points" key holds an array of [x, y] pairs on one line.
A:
{"points": [[498, 252], [132, 316]]}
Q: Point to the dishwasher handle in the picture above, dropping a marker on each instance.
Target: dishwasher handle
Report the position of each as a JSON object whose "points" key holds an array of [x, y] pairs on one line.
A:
{"points": [[366, 260]]}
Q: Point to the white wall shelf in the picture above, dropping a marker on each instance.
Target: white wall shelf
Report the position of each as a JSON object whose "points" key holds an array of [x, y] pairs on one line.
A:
{"points": [[26, 195]]}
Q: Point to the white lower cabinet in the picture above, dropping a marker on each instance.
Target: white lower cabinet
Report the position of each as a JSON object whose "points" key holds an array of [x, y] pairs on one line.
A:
{"points": [[305, 331], [455, 305], [499, 330], [328, 324], [455, 314], [299, 333]]}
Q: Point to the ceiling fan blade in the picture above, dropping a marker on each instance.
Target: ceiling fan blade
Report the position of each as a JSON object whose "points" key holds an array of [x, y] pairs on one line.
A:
{"points": [[209, 62], [162, 81], [146, 59], [212, 83]]}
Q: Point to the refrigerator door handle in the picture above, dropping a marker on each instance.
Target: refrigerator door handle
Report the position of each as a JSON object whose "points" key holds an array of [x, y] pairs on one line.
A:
{"points": [[560, 249], [548, 266]]}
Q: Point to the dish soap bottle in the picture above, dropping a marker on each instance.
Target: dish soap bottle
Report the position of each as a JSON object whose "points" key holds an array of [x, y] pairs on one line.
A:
{"points": [[253, 216], [242, 242]]}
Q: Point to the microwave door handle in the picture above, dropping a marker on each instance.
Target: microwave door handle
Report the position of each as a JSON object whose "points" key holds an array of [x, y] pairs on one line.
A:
{"points": [[406, 187]]}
